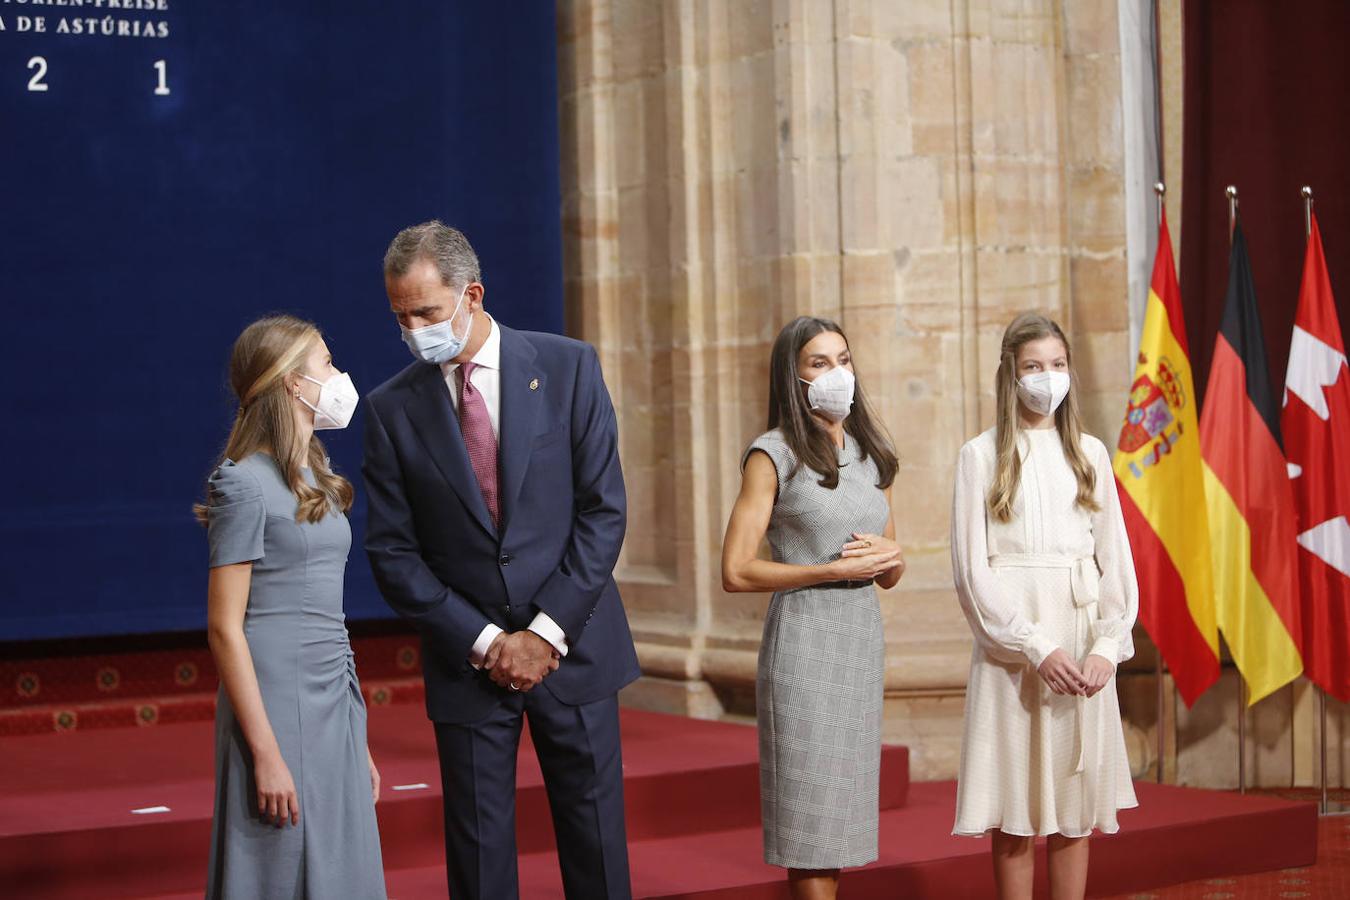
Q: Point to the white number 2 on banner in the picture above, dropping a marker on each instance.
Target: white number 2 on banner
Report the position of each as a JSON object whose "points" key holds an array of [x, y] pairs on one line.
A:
{"points": [[36, 83]]}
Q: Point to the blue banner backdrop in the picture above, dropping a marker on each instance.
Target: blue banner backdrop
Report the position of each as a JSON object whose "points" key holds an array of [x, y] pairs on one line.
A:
{"points": [[173, 171]]}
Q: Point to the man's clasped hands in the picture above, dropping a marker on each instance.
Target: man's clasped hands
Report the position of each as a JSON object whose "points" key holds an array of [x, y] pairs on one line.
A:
{"points": [[519, 660]]}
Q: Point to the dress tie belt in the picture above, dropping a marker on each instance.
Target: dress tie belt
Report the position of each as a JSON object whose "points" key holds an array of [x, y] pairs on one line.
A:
{"points": [[1084, 590], [1083, 575]]}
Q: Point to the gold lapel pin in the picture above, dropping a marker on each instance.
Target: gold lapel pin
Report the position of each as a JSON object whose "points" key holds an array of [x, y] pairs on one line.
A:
{"points": [[534, 384]]}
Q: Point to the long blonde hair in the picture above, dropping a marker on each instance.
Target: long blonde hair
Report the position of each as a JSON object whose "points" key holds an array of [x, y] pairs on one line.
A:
{"points": [[1024, 329], [264, 355]]}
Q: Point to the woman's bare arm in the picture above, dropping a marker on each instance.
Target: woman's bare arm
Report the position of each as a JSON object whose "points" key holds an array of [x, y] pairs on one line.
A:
{"points": [[226, 602], [743, 570]]}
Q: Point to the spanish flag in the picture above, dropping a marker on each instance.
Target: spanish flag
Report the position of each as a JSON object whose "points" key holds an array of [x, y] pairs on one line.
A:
{"points": [[1158, 469], [1248, 495]]}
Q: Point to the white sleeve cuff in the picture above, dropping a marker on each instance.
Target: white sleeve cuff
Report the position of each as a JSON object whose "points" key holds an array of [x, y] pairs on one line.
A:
{"points": [[478, 652], [1038, 648], [548, 629], [1107, 648]]}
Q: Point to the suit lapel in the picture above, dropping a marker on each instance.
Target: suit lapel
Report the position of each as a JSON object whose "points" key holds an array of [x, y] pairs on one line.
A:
{"points": [[522, 392], [433, 415]]}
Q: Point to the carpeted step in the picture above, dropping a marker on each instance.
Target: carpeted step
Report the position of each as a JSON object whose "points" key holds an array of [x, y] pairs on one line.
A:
{"points": [[65, 807], [66, 827], [1178, 835], [681, 776]]}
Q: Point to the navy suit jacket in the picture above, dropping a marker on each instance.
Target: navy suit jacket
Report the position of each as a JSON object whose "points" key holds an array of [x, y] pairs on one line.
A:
{"points": [[441, 564]]}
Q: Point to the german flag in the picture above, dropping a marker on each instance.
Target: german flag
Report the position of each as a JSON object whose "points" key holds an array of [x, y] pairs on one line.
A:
{"points": [[1160, 474], [1248, 496]]}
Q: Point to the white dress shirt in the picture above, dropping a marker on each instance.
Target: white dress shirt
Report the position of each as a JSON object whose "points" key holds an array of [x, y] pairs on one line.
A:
{"points": [[487, 380]]}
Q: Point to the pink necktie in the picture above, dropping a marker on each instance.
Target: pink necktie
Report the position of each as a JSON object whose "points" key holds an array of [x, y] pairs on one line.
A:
{"points": [[479, 439]]}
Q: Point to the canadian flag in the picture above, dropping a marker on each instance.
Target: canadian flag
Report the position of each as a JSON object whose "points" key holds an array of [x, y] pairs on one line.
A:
{"points": [[1316, 426]]}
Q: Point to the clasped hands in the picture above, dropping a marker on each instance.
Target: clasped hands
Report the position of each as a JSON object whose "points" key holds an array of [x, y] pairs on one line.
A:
{"points": [[519, 660], [1063, 676], [868, 556]]}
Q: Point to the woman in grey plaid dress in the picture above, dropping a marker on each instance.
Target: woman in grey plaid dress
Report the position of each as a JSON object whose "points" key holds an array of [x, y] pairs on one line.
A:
{"points": [[817, 484]]}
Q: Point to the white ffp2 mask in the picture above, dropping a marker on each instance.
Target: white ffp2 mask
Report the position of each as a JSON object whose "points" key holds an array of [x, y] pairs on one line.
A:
{"points": [[1043, 392], [831, 394], [337, 401]]}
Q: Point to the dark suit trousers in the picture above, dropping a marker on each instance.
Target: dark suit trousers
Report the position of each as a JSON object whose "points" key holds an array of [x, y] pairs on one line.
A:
{"points": [[578, 750]]}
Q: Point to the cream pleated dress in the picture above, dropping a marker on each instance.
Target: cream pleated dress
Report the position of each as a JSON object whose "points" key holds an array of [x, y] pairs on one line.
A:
{"points": [[1034, 762]]}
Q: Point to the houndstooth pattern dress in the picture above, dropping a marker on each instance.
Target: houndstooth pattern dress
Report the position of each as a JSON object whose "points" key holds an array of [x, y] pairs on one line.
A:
{"points": [[821, 673]]}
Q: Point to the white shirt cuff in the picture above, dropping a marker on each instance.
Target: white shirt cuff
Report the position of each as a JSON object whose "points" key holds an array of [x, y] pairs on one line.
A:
{"points": [[546, 628], [478, 652], [1039, 648], [1107, 648]]}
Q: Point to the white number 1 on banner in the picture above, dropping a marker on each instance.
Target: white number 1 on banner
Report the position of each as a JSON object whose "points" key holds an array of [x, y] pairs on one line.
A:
{"points": [[163, 88]]}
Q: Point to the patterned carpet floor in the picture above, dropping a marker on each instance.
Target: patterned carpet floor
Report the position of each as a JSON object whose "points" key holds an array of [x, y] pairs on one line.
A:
{"points": [[1328, 878]]}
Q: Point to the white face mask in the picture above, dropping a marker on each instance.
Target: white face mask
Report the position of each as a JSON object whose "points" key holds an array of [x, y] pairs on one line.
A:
{"points": [[831, 394], [1043, 392], [337, 401], [438, 343]]}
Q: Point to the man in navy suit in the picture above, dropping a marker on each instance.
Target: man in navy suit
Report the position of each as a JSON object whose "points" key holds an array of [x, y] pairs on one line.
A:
{"points": [[496, 514]]}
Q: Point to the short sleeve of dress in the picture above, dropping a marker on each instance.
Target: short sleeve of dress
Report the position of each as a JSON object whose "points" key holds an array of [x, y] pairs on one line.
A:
{"points": [[235, 516], [771, 443]]}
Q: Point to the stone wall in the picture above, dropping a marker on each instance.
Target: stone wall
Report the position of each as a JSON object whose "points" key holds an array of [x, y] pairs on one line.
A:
{"points": [[920, 171]]}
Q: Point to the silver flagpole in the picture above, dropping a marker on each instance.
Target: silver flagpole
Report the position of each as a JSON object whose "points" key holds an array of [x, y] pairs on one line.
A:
{"points": [[1321, 695], [1231, 193], [1161, 189]]}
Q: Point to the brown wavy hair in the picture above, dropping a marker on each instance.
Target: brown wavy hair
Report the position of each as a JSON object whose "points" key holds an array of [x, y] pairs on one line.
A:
{"points": [[1023, 330], [790, 412], [264, 355]]}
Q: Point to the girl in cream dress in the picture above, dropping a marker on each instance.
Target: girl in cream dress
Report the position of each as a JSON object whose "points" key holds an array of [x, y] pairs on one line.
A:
{"points": [[1044, 574]]}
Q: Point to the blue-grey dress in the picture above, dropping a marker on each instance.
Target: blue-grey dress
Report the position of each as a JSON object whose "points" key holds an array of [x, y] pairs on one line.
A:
{"points": [[822, 671], [297, 636]]}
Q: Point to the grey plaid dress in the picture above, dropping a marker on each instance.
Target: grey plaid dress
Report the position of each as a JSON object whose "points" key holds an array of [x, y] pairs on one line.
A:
{"points": [[822, 666]]}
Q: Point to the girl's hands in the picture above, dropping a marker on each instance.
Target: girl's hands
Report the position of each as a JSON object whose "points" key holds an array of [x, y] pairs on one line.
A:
{"points": [[1097, 671], [1062, 675], [276, 790]]}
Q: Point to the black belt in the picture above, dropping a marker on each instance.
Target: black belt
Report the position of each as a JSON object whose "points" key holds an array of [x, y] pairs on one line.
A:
{"points": [[844, 585]]}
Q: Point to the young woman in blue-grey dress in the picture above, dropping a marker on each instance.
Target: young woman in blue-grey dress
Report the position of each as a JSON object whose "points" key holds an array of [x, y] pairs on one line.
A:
{"points": [[295, 783], [818, 485]]}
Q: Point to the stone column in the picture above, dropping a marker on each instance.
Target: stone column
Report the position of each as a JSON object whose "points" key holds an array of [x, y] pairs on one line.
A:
{"points": [[920, 171]]}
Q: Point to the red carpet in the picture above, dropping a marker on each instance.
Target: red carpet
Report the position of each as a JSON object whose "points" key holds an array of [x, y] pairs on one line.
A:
{"points": [[1328, 877], [66, 829]]}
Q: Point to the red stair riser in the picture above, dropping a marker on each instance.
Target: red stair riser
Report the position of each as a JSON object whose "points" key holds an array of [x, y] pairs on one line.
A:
{"points": [[89, 679], [128, 712]]}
